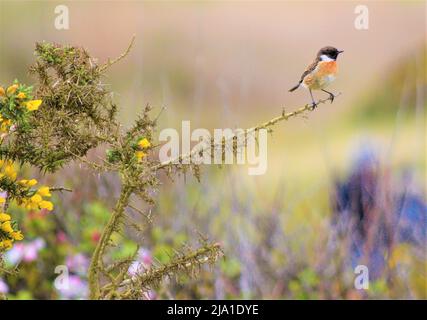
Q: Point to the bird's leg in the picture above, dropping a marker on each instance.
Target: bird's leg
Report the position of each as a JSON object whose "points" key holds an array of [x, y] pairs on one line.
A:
{"points": [[331, 95], [312, 99]]}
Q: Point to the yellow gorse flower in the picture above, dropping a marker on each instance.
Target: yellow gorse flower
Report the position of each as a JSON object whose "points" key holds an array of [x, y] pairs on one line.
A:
{"points": [[10, 172], [17, 235], [7, 234], [2, 92], [12, 89], [44, 192], [21, 95], [6, 227], [36, 199], [4, 217], [36, 202], [46, 205], [33, 105], [28, 183], [5, 125], [140, 155], [32, 182], [144, 143], [6, 244]]}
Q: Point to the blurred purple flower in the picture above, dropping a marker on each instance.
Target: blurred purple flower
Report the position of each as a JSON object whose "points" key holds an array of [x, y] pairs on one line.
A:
{"points": [[144, 259], [27, 251], [151, 295], [4, 288], [134, 268], [77, 289], [77, 263]]}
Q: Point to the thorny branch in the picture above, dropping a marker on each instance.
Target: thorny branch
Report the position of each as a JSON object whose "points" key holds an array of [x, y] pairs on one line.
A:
{"points": [[109, 63], [265, 125]]}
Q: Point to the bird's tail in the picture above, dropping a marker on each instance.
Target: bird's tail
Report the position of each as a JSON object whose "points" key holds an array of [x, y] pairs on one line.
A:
{"points": [[294, 88]]}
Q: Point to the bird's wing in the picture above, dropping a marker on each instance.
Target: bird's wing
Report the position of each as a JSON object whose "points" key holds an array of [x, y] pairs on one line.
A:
{"points": [[309, 69]]}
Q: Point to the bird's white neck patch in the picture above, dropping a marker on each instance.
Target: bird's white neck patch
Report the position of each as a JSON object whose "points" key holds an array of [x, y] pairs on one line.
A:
{"points": [[324, 57]]}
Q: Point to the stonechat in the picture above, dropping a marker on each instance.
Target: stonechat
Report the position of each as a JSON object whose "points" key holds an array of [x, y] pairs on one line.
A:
{"points": [[320, 73]]}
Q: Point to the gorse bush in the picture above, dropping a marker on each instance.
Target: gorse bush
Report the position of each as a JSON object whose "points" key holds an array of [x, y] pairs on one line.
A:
{"points": [[68, 113], [77, 114], [73, 114]]}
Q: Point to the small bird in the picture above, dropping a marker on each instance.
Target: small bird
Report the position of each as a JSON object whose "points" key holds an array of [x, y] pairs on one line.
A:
{"points": [[320, 73]]}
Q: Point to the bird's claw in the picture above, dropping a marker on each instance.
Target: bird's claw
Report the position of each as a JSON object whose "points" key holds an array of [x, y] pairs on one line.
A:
{"points": [[313, 106], [331, 97]]}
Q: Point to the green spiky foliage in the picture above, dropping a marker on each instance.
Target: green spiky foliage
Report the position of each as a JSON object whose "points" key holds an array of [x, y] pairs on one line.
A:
{"points": [[77, 112]]}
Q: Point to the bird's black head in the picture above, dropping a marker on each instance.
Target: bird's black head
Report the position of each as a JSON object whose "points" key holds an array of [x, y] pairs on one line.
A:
{"points": [[329, 52]]}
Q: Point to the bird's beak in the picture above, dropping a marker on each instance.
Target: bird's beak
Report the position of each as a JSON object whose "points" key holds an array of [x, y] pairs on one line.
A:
{"points": [[340, 51]]}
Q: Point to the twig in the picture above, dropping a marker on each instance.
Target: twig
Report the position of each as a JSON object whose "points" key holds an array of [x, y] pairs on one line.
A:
{"points": [[124, 54], [180, 263], [265, 125], [147, 216], [60, 189]]}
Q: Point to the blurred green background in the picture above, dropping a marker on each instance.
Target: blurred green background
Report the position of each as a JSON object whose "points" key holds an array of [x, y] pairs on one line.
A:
{"points": [[230, 64]]}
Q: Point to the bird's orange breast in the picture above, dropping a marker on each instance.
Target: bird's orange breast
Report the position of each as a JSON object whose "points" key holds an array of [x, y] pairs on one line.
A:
{"points": [[322, 75], [327, 68]]}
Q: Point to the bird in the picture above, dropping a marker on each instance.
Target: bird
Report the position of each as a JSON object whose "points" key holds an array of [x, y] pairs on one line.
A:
{"points": [[320, 73]]}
